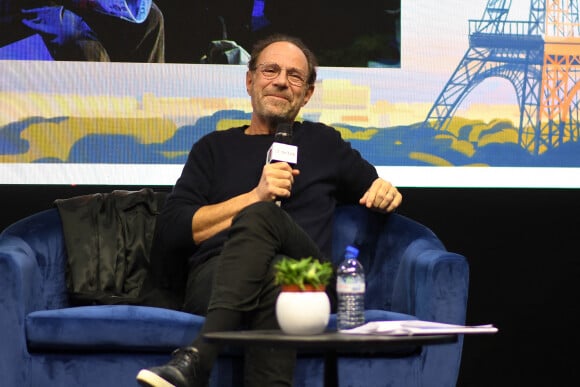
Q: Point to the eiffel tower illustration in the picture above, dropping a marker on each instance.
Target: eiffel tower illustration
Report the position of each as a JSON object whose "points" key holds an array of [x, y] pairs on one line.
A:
{"points": [[541, 59]]}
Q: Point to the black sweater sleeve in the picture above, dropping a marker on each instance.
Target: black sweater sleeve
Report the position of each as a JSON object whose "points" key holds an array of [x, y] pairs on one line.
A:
{"points": [[188, 195]]}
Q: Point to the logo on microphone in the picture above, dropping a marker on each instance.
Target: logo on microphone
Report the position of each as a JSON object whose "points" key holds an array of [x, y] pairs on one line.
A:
{"points": [[282, 152]]}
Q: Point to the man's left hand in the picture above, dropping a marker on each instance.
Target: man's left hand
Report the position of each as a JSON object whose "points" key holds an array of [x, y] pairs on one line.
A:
{"points": [[382, 196]]}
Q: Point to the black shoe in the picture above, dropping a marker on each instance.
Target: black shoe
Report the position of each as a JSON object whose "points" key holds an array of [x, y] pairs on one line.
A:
{"points": [[181, 371]]}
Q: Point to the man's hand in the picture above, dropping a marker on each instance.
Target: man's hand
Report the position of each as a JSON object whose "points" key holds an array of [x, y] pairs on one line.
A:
{"points": [[276, 181], [382, 196], [59, 25]]}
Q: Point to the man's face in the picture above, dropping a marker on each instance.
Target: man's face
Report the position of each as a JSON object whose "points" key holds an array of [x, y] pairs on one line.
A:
{"points": [[274, 87]]}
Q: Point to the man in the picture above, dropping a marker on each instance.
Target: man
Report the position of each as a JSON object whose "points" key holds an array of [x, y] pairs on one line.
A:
{"points": [[222, 210]]}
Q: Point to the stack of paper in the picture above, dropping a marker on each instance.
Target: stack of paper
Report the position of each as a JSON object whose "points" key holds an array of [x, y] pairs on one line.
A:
{"points": [[417, 327]]}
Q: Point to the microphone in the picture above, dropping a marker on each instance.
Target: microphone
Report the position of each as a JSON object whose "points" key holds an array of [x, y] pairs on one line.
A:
{"points": [[282, 148], [283, 133]]}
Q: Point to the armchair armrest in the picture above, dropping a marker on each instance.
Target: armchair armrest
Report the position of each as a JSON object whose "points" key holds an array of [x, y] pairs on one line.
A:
{"points": [[432, 285], [32, 264], [35, 248], [18, 269], [19, 281]]}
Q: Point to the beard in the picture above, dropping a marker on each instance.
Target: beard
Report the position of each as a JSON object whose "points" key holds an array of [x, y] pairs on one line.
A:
{"points": [[276, 111]]}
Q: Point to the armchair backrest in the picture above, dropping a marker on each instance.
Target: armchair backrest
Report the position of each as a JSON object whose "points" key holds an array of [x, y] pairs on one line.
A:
{"points": [[383, 242]]}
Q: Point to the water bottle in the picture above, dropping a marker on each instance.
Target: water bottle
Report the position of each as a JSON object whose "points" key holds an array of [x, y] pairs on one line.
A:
{"points": [[350, 288]]}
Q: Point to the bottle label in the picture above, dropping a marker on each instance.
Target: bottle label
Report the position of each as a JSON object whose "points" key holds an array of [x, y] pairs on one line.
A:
{"points": [[349, 285]]}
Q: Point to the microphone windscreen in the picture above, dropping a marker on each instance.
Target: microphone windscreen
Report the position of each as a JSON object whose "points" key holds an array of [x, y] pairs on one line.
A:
{"points": [[283, 133]]}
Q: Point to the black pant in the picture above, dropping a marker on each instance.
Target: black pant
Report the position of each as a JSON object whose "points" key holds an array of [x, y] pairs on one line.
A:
{"points": [[241, 280]]}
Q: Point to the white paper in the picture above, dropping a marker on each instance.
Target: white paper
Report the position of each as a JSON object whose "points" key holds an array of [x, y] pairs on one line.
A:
{"points": [[418, 327]]}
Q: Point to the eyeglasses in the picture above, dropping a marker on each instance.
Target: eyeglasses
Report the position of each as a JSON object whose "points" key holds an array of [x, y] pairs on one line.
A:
{"points": [[273, 70]]}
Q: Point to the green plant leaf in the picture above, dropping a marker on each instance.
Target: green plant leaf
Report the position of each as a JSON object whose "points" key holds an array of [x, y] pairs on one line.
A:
{"points": [[301, 272]]}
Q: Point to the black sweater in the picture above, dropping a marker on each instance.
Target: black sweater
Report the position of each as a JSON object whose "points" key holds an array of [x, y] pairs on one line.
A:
{"points": [[227, 163]]}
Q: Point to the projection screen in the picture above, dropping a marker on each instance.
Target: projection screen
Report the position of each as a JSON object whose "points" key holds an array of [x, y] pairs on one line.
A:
{"points": [[442, 93]]}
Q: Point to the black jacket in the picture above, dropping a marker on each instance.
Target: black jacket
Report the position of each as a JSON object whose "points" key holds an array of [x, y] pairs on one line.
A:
{"points": [[111, 250]]}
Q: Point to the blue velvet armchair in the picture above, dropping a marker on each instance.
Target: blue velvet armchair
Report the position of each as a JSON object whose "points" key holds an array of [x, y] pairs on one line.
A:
{"points": [[47, 341]]}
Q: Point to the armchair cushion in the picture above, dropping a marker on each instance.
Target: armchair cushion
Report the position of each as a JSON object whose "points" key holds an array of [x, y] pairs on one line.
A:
{"points": [[110, 328]]}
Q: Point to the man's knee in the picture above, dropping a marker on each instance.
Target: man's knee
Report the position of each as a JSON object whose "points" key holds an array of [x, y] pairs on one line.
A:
{"points": [[267, 211], [263, 218]]}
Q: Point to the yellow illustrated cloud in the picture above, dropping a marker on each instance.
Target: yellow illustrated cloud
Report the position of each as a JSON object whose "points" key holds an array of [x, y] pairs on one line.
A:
{"points": [[55, 140]]}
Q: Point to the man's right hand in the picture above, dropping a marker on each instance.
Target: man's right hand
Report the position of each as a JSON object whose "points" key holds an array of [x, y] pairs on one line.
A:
{"points": [[276, 181]]}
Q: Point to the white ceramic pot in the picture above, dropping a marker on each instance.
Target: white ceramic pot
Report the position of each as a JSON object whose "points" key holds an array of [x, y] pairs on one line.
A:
{"points": [[303, 312]]}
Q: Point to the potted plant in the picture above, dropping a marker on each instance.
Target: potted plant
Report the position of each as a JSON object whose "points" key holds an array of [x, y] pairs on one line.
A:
{"points": [[302, 308], [306, 274]]}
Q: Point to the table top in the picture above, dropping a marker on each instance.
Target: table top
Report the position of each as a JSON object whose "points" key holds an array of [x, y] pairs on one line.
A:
{"points": [[326, 340]]}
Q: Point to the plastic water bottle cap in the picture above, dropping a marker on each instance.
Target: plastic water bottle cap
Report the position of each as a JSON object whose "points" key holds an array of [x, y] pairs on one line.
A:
{"points": [[352, 250]]}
